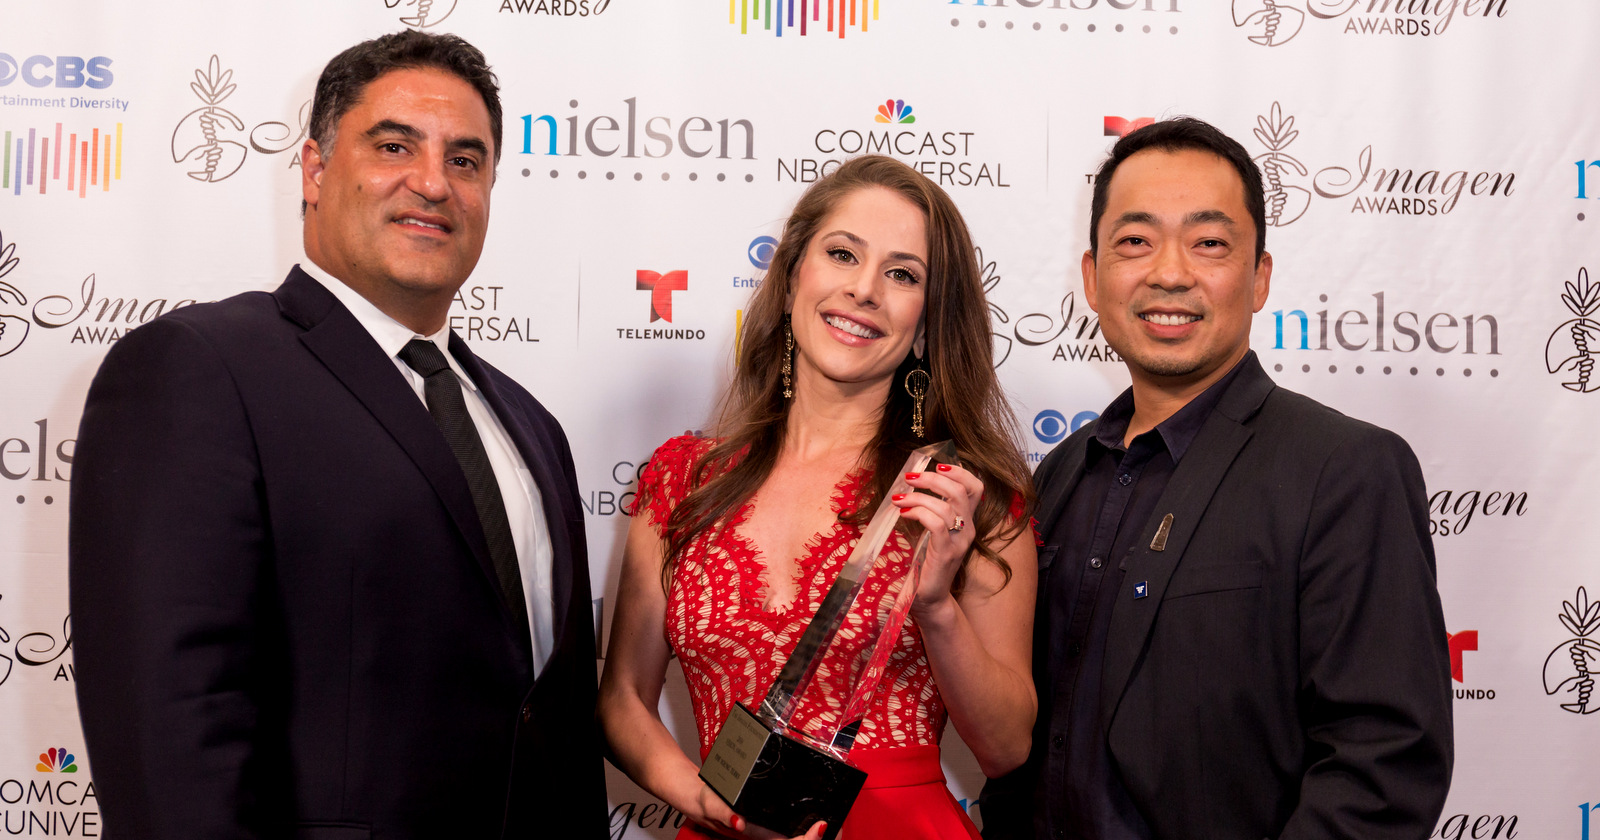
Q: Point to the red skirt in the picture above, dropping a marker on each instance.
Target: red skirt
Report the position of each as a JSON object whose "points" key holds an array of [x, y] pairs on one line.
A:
{"points": [[905, 797]]}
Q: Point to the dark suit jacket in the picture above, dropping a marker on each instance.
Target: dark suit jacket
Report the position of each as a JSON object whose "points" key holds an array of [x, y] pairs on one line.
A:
{"points": [[1287, 674], [286, 620]]}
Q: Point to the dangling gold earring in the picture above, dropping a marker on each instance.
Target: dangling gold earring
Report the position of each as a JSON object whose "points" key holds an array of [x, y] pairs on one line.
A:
{"points": [[788, 360], [917, 382]]}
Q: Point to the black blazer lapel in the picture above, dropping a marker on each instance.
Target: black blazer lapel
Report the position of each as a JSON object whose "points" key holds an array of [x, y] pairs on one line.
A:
{"points": [[539, 452], [339, 341], [1186, 497]]}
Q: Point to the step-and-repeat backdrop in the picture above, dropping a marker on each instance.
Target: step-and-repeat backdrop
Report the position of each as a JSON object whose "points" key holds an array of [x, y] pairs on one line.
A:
{"points": [[1432, 166]]}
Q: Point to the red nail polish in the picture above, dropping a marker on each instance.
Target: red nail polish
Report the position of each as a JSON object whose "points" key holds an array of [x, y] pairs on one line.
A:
{"points": [[944, 468], [897, 497], [913, 476]]}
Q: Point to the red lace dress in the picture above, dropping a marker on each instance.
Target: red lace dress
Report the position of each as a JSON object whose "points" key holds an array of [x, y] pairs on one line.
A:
{"points": [[731, 649]]}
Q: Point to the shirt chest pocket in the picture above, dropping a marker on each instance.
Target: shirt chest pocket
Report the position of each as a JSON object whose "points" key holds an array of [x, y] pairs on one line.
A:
{"points": [[1200, 580], [1047, 558]]}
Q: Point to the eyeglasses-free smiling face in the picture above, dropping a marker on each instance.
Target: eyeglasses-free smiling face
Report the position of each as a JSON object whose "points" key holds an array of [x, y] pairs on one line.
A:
{"points": [[398, 208], [856, 305], [1176, 279]]}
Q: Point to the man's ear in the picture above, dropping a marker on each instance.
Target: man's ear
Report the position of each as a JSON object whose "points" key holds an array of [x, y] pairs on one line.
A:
{"points": [[1263, 283], [311, 166], [1091, 281]]}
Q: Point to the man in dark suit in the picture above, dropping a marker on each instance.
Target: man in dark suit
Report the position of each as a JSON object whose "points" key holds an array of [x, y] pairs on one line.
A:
{"points": [[328, 569], [1238, 629]]}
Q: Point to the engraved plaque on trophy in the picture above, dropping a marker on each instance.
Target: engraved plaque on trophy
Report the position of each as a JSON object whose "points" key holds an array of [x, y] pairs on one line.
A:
{"points": [[786, 775]]}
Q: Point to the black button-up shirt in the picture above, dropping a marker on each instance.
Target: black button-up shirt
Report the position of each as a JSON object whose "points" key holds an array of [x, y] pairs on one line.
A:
{"points": [[1082, 795]]}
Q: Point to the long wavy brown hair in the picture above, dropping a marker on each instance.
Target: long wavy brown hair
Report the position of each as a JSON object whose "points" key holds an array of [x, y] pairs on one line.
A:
{"points": [[964, 400]]}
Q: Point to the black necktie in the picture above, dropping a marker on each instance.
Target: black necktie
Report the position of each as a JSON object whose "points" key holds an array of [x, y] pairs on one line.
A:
{"points": [[449, 410]]}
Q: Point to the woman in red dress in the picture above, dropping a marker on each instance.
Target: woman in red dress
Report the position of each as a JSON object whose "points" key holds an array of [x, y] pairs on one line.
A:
{"points": [[868, 338]]}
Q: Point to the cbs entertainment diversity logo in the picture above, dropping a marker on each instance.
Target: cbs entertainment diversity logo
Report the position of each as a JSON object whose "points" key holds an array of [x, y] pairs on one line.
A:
{"points": [[422, 14], [1273, 23], [1569, 670], [211, 138]]}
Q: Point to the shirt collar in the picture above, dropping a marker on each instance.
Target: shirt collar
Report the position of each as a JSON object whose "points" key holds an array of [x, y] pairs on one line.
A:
{"points": [[391, 335], [1177, 431]]}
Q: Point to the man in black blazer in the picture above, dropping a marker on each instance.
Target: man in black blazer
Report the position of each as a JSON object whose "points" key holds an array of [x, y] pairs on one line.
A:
{"points": [[328, 570], [1238, 630]]}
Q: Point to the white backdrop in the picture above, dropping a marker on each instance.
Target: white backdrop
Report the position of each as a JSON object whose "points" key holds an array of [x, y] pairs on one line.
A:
{"points": [[1434, 166]]}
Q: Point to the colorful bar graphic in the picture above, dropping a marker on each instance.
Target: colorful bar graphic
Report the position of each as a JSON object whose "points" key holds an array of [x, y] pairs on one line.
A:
{"points": [[93, 160], [777, 15]]}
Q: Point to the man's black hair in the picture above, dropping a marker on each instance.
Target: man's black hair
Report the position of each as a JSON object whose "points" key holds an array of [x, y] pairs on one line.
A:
{"points": [[346, 77], [1174, 135]]}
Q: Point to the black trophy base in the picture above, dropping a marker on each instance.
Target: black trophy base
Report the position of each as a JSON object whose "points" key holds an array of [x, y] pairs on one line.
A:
{"points": [[776, 781]]}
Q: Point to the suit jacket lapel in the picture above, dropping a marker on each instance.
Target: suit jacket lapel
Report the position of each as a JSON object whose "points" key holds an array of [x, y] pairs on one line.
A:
{"points": [[339, 341], [539, 453], [1186, 497]]}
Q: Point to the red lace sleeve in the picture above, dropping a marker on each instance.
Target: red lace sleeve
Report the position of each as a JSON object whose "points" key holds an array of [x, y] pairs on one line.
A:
{"points": [[1017, 509], [665, 480]]}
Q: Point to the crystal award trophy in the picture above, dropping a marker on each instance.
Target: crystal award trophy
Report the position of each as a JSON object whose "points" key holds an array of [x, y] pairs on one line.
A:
{"points": [[785, 774]]}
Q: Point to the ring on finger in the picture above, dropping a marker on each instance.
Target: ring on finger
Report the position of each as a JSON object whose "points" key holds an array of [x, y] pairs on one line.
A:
{"points": [[956, 526]]}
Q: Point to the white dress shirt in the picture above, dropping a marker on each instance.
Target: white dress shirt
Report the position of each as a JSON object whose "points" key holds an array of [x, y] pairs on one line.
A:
{"points": [[529, 531]]}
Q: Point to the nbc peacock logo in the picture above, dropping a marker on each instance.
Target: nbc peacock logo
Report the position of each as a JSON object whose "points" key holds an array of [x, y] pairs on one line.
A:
{"points": [[895, 111], [57, 760]]}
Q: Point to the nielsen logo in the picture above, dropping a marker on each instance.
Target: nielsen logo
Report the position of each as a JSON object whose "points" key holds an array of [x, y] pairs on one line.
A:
{"points": [[599, 135]]}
